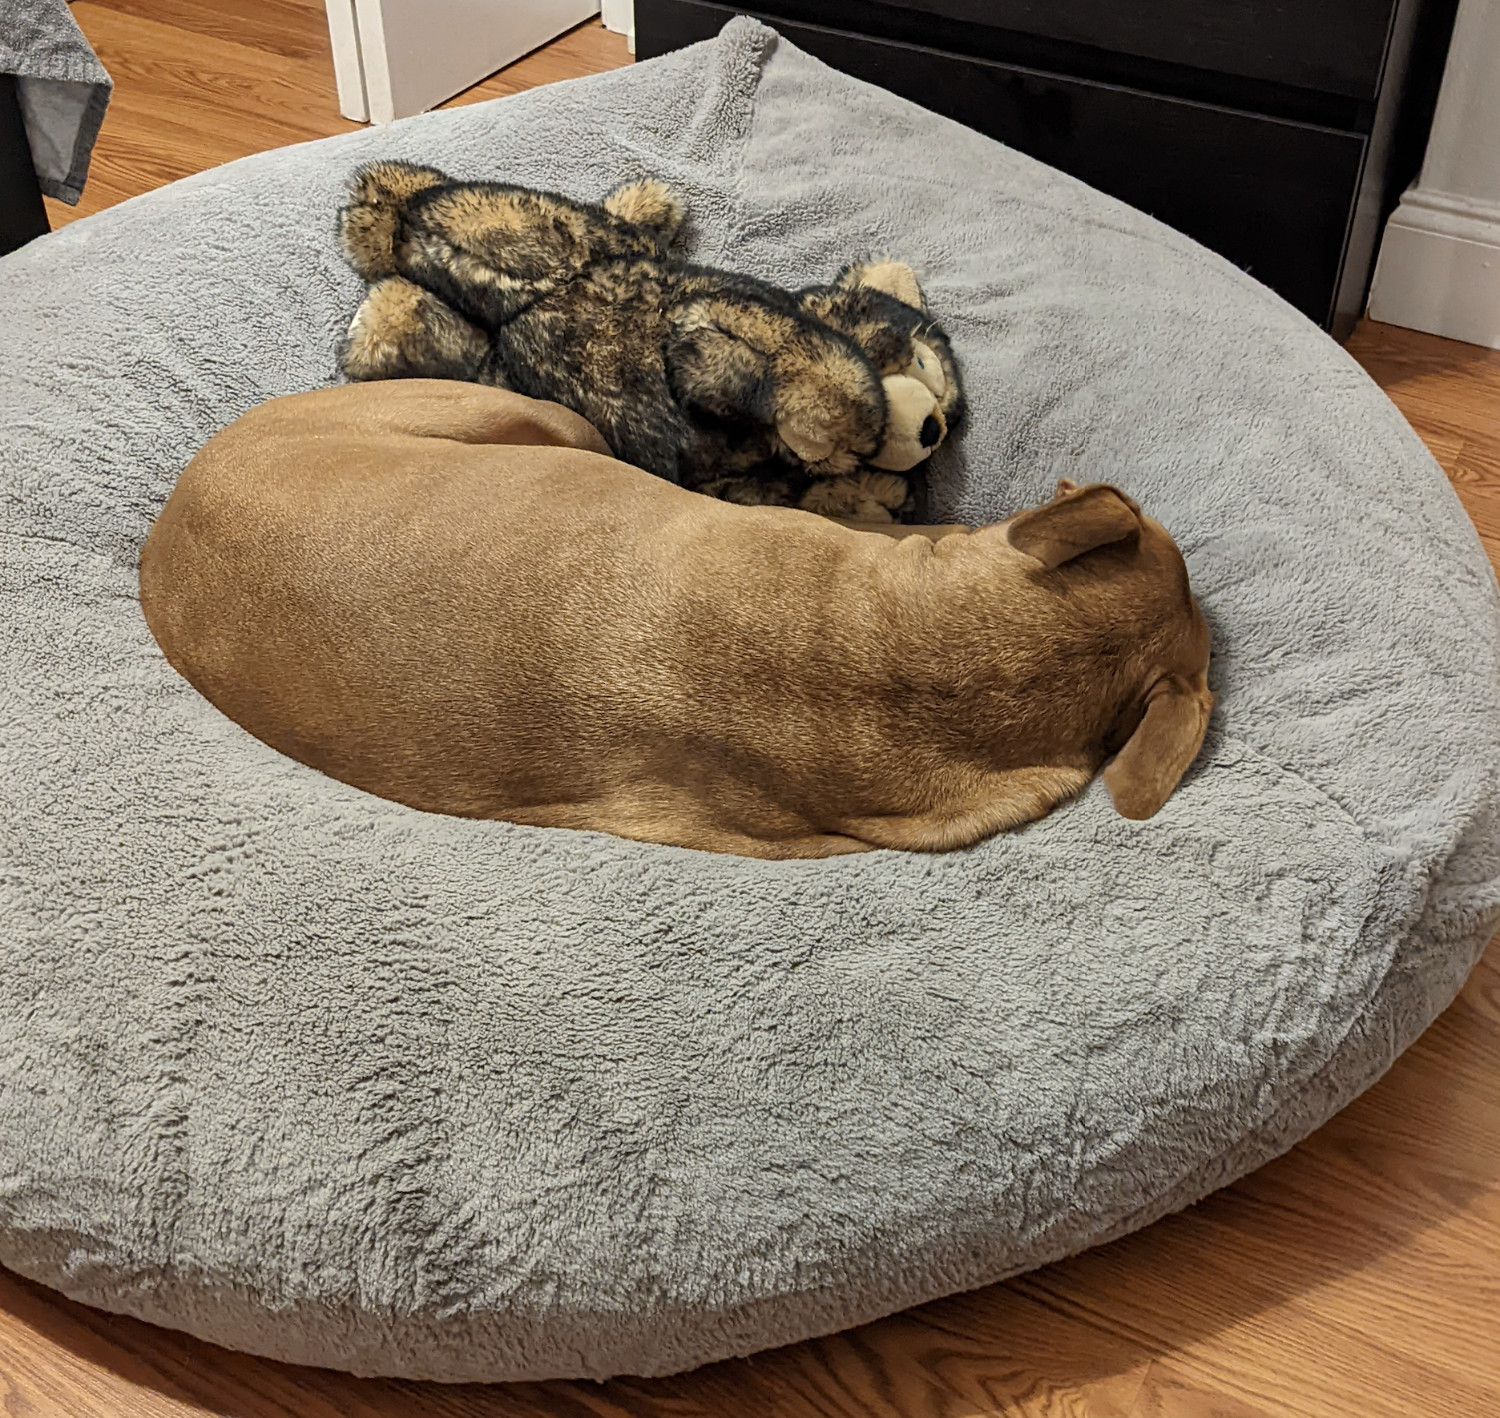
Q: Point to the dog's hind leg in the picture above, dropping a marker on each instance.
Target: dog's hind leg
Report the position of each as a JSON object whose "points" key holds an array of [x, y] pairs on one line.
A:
{"points": [[401, 331]]}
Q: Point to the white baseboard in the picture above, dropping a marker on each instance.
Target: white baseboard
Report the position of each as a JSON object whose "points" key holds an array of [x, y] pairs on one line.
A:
{"points": [[1439, 268]]}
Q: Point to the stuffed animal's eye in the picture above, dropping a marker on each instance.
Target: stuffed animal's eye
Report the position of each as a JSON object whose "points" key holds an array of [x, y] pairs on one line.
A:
{"points": [[925, 367]]}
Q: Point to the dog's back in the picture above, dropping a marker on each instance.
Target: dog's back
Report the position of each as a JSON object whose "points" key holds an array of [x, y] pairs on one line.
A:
{"points": [[450, 596]]}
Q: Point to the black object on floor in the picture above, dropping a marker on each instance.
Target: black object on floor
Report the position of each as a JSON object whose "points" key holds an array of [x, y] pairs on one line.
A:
{"points": [[1281, 135], [22, 215]]}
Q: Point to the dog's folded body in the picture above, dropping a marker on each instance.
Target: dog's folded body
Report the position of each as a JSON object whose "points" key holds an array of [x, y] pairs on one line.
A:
{"points": [[451, 596]]}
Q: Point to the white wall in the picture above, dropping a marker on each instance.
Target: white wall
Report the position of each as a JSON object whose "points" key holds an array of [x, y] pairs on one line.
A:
{"points": [[1439, 264]]}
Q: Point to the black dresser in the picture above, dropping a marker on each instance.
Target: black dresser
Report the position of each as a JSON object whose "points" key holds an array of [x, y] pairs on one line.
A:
{"points": [[22, 215], [1278, 132]]}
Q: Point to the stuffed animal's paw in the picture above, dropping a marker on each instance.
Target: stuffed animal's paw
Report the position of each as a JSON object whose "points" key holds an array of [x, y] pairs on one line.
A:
{"points": [[401, 331], [829, 408], [368, 224], [647, 203], [739, 357], [749, 491], [865, 497]]}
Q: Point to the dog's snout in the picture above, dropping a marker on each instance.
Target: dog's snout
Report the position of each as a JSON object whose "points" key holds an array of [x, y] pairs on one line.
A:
{"points": [[932, 430]]}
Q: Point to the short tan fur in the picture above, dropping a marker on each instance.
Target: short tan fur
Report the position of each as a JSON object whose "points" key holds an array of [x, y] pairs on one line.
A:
{"points": [[450, 596]]}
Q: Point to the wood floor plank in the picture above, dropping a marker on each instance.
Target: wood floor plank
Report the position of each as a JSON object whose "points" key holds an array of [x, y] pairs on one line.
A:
{"points": [[589, 49], [199, 84], [293, 29], [184, 102], [1356, 1277]]}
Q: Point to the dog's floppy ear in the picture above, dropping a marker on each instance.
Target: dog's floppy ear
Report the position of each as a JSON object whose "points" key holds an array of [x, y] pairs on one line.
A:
{"points": [[1077, 520], [1143, 773]]}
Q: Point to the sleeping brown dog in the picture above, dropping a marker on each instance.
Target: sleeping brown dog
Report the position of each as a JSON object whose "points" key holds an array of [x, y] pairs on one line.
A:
{"points": [[451, 596]]}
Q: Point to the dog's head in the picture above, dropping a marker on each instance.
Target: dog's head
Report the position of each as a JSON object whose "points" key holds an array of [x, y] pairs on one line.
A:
{"points": [[880, 306], [1128, 568]]}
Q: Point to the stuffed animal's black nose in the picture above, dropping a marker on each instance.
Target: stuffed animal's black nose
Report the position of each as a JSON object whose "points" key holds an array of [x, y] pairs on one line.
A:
{"points": [[932, 430]]}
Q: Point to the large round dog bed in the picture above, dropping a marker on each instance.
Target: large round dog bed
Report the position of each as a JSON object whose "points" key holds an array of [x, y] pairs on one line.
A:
{"points": [[318, 1076]]}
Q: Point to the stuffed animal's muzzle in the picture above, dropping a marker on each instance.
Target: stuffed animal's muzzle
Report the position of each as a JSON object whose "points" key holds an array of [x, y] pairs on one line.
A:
{"points": [[915, 423]]}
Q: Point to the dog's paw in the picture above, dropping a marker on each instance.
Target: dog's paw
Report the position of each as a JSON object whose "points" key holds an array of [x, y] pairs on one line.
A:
{"points": [[647, 203], [865, 497], [401, 331]]}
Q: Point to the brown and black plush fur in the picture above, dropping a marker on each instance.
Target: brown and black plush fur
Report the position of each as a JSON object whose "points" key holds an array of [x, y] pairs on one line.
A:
{"points": [[880, 306], [721, 383]]}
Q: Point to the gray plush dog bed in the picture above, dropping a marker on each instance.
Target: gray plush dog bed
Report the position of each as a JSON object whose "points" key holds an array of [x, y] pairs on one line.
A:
{"points": [[314, 1075]]}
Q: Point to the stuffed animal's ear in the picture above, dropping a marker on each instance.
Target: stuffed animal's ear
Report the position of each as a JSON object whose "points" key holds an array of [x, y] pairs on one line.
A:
{"points": [[1077, 520], [892, 277], [1143, 774]]}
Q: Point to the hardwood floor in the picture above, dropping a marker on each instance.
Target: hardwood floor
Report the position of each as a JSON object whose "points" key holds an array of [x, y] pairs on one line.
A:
{"points": [[1356, 1277], [202, 82]]}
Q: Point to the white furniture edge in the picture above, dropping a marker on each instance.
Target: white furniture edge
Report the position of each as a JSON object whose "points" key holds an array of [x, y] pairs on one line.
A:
{"points": [[619, 18], [348, 69], [394, 58], [1439, 265]]}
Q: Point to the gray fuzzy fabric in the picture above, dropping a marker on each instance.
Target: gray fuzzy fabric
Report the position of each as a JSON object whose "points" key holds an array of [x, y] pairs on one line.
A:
{"points": [[62, 88], [310, 1074]]}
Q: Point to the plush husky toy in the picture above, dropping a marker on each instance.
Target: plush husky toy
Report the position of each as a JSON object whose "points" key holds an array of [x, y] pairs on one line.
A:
{"points": [[824, 398]]}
